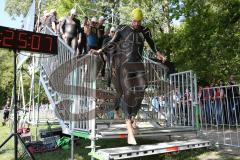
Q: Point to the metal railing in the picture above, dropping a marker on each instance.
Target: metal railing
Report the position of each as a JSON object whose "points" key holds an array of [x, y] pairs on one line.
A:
{"points": [[220, 114], [67, 75], [183, 96]]}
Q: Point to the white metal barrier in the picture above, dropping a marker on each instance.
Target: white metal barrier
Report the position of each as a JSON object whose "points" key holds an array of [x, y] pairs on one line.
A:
{"points": [[220, 114], [183, 96]]}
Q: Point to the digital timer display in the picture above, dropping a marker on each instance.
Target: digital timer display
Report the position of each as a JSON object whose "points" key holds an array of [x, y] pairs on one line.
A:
{"points": [[27, 41]]}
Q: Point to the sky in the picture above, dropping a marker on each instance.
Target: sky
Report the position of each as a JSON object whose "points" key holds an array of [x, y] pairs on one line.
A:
{"points": [[5, 19]]}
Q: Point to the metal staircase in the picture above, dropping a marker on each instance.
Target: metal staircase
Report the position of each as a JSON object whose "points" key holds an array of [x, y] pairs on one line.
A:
{"points": [[47, 66], [53, 99], [71, 85]]}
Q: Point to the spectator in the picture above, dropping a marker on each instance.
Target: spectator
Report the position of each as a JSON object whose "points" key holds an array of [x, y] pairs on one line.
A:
{"points": [[42, 22], [223, 101], [6, 112], [156, 104], [218, 105], [176, 102], [106, 58], [207, 99], [233, 100], [101, 31], [109, 36]]}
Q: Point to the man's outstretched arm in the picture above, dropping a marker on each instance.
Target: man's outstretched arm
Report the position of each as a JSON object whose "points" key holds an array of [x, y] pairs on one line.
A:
{"points": [[148, 37]]}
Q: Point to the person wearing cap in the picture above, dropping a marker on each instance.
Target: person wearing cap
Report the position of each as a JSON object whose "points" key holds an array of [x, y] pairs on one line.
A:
{"points": [[91, 31], [101, 36], [60, 21], [101, 30], [128, 72], [51, 20], [109, 36], [82, 45], [41, 22], [107, 58], [233, 98], [70, 29]]}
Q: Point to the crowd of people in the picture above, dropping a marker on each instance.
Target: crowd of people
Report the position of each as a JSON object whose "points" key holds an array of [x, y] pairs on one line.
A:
{"points": [[221, 102], [218, 103], [82, 37], [6, 112]]}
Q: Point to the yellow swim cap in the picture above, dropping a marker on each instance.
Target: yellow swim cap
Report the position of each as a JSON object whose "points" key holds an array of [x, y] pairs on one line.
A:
{"points": [[137, 14]]}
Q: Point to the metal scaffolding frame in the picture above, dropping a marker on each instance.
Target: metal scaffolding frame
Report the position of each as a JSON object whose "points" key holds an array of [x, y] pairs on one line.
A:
{"points": [[75, 91]]}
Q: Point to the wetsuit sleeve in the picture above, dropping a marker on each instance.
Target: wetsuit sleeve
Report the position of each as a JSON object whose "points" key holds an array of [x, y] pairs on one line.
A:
{"points": [[62, 26], [54, 22], [148, 36], [79, 29], [112, 42]]}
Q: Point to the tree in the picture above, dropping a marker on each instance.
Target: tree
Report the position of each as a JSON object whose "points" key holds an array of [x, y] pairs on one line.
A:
{"points": [[6, 72], [17, 8], [208, 41], [84, 7]]}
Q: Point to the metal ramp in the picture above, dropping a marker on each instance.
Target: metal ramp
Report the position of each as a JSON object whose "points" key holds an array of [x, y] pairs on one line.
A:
{"points": [[120, 131], [145, 129], [146, 150]]}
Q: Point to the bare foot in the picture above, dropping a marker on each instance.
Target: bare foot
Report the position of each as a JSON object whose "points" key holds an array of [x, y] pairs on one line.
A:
{"points": [[134, 124], [135, 127], [135, 131], [117, 114], [131, 138]]}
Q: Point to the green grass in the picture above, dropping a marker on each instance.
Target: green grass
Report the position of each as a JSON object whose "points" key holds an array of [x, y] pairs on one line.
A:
{"points": [[81, 153]]}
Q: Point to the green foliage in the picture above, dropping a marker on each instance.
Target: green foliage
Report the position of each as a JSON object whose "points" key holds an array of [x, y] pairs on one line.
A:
{"points": [[6, 80], [16, 8], [6, 72], [208, 42], [84, 7], [156, 14]]}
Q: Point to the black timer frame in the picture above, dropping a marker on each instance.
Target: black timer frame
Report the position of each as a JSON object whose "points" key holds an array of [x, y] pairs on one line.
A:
{"points": [[28, 41], [14, 45]]}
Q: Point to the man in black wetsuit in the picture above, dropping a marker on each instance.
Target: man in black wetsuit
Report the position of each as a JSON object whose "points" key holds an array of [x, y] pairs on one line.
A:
{"points": [[101, 31], [128, 73], [70, 29], [82, 44]]}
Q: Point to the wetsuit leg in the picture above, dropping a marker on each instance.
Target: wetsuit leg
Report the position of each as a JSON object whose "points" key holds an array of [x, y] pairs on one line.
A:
{"points": [[68, 40], [85, 48], [103, 66], [74, 43], [80, 48], [117, 85], [133, 83]]}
